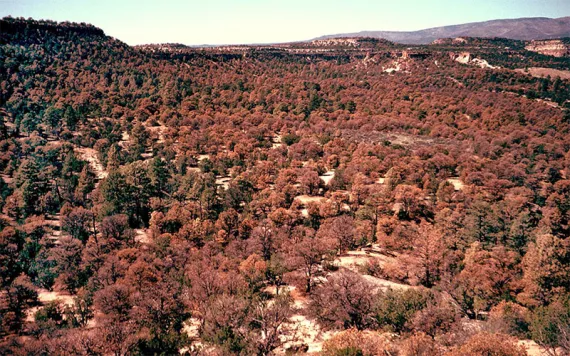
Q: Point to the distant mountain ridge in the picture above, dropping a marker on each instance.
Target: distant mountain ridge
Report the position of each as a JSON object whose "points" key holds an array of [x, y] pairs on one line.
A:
{"points": [[534, 28]]}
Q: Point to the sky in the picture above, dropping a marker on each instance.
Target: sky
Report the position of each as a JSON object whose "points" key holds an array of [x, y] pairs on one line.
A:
{"points": [[198, 22]]}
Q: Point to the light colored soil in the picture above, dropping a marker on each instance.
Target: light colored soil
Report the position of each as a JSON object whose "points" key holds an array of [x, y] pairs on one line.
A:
{"points": [[396, 68], [457, 183], [276, 141], [303, 329], [203, 157], [456, 82], [354, 260], [159, 131], [306, 199], [142, 236], [223, 182], [308, 332], [533, 349], [385, 284], [191, 327], [91, 156], [54, 228], [147, 155], [45, 297], [7, 179], [327, 177], [549, 103], [544, 72]]}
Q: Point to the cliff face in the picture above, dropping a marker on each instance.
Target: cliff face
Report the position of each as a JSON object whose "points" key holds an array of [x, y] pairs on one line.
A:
{"points": [[556, 48]]}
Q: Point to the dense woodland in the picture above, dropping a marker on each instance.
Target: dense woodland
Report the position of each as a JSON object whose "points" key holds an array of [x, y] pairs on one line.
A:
{"points": [[232, 202]]}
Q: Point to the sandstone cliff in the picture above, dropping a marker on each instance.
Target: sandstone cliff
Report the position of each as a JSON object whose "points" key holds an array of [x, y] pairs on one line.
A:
{"points": [[556, 48]]}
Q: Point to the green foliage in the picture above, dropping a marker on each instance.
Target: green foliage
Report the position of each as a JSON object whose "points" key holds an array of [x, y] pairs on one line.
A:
{"points": [[290, 139], [395, 309], [550, 325]]}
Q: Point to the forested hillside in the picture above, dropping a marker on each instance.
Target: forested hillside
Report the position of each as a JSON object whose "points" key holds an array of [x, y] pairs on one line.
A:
{"points": [[343, 198]]}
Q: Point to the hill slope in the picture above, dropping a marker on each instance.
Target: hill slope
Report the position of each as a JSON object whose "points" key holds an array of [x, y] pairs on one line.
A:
{"points": [[259, 200], [518, 29]]}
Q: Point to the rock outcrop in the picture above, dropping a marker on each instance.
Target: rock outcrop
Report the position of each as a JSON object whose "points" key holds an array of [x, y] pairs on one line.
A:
{"points": [[556, 48]]}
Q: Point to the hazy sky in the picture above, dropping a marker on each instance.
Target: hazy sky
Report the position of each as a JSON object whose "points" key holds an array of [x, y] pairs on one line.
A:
{"points": [[261, 21]]}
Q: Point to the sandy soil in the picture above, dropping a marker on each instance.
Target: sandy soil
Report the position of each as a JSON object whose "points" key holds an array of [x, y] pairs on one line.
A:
{"points": [[159, 131], [191, 328], [147, 155], [142, 236], [327, 177], [533, 349], [54, 225], [90, 155], [223, 182], [306, 199], [544, 72], [457, 183], [45, 297], [354, 260], [304, 330], [276, 141], [7, 179]]}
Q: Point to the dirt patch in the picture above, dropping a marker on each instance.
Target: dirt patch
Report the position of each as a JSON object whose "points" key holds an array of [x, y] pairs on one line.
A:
{"points": [[356, 260], [147, 155], [327, 177], [158, 131], [223, 182], [276, 141], [142, 236], [534, 349], [306, 199], [544, 72], [45, 296], [7, 179], [53, 223], [457, 183], [304, 331], [402, 139], [91, 156]]}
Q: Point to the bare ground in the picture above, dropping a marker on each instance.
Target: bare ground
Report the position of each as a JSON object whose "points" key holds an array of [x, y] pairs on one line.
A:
{"points": [[91, 156], [327, 177], [544, 72], [457, 183]]}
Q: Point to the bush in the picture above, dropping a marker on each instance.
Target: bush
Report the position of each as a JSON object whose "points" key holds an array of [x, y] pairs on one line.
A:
{"points": [[395, 309], [550, 325], [353, 342], [419, 345], [510, 318], [489, 344], [290, 139]]}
